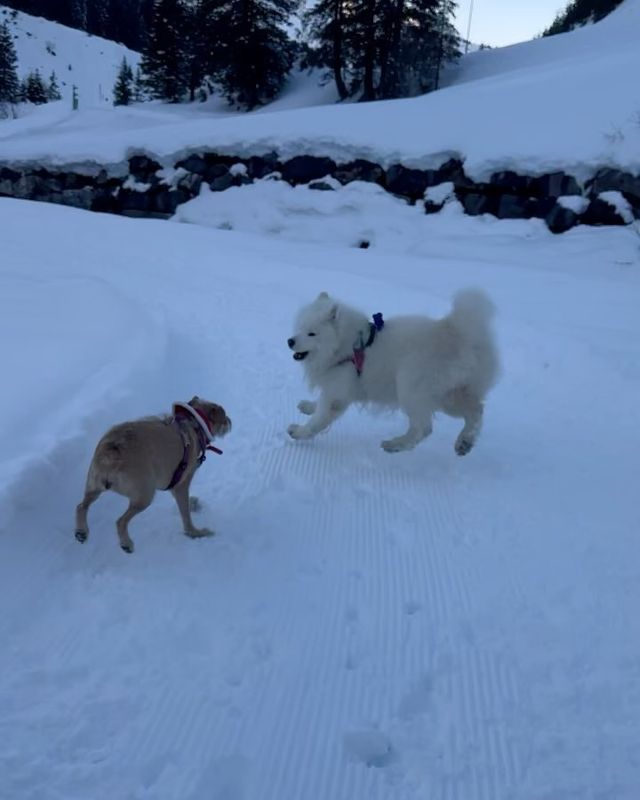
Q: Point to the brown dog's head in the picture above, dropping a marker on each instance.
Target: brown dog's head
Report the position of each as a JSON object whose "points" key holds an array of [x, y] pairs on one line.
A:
{"points": [[216, 416]]}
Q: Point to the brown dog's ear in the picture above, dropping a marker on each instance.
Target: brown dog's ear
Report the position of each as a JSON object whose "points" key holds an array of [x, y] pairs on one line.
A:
{"points": [[194, 399]]}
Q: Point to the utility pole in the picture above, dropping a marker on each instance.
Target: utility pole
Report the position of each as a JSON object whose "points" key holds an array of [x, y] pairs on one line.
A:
{"points": [[466, 47], [443, 14]]}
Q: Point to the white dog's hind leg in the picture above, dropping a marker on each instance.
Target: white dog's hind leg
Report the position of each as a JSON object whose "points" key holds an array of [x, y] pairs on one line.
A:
{"points": [[420, 426], [325, 413], [416, 432], [461, 403], [307, 407], [472, 425]]}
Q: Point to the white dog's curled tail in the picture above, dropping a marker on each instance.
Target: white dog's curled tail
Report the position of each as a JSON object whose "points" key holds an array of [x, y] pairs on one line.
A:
{"points": [[472, 311]]}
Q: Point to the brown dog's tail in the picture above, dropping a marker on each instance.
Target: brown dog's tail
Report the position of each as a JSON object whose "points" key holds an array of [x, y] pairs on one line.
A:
{"points": [[107, 461]]}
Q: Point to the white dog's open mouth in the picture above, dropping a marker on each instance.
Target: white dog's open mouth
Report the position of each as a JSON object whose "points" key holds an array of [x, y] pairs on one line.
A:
{"points": [[301, 355]]}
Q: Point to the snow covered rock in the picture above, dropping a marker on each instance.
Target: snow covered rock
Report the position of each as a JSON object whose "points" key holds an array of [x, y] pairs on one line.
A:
{"points": [[303, 169]]}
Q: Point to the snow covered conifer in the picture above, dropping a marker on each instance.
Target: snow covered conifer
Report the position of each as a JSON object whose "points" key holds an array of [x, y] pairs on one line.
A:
{"points": [[35, 90], [123, 89], [139, 89], [9, 83], [53, 90]]}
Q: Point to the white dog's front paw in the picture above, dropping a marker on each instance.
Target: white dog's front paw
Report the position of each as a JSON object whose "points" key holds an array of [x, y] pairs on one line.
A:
{"points": [[396, 445], [307, 407], [298, 432]]}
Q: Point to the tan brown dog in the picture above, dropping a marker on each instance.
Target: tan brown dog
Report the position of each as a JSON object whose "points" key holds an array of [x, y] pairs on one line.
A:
{"points": [[137, 458]]}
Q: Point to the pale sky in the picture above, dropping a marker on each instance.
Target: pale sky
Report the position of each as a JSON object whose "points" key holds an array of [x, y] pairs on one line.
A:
{"points": [[500, 22]]}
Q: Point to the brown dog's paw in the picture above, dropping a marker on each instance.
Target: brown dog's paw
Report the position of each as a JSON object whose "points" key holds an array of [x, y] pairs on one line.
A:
{"points": [[81, 536], [200, 533]]}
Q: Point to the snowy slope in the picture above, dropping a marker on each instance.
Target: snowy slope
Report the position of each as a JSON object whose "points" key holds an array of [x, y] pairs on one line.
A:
{"points": [[363, 626], [88, 62], [568, 102]]}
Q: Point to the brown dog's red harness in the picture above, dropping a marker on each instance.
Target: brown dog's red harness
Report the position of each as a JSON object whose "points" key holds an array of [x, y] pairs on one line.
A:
{"points": [[181, 413]]}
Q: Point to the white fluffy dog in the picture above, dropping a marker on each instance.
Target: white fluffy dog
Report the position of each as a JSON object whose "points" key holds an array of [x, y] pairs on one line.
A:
{"points": [[414, 363]]}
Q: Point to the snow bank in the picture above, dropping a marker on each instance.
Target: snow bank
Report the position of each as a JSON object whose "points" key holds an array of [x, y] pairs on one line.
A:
{"points": [[72, 347], [349, 215]]}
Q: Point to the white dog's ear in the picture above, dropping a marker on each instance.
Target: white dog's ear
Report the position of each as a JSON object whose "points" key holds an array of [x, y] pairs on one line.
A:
{"points": [[333, 313], [323, 296]]}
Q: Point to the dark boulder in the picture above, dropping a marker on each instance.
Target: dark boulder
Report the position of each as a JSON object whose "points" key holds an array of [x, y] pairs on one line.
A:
{"points": [[304, 169], [143, 168], [554, 184], [599, 212], [411, 183], [259, 167], [222, 182], [194, 163], [360, 170], [560, 219]]}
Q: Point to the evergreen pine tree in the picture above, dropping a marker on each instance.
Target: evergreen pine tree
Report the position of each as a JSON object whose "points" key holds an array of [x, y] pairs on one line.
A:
{"points": [[98, 17], [36, 91], [123, 89], [53, 90], [164, 64], [78, 14], [139, 91], [9, 83], [22, 91], [326, 28], [384, 48], [256, 51]]}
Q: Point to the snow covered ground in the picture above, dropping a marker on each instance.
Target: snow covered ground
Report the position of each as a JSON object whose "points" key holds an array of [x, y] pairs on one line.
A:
{"points": [[364, 626], [568, 102]]}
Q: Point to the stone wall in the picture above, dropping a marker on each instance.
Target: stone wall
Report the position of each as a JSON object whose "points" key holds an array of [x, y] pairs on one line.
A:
{"points": [[610, 197]]}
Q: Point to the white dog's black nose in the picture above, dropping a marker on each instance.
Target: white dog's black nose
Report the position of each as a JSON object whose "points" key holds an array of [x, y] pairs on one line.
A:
{"points": [[292, 343]]}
